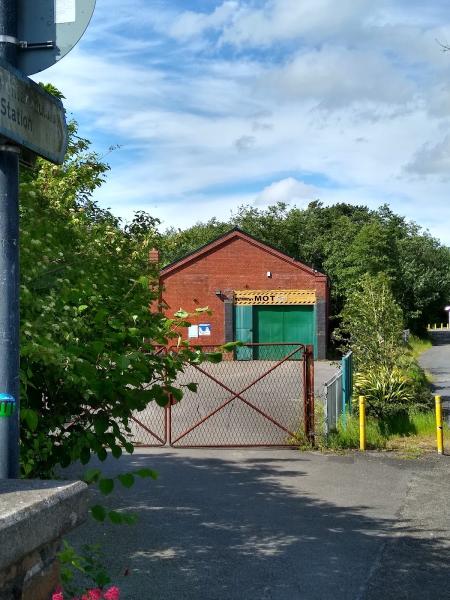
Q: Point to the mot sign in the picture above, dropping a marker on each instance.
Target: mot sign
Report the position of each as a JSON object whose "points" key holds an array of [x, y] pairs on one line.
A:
{"points": [[30, 116]]}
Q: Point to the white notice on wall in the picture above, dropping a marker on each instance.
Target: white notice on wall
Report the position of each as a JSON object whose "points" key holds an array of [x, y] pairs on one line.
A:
{"points": [[193, 331], [204, 329], [65, 11]]}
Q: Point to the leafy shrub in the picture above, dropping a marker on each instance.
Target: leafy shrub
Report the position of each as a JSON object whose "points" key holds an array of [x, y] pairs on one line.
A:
{"points": [[387, 391]]}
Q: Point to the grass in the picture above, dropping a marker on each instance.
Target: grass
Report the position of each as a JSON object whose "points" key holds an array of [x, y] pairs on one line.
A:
{"points": [[419, 345], [411, 434]]}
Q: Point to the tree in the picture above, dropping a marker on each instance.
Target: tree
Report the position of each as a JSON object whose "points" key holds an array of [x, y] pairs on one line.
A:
{"points": [[372, 323], [345, 242], [87, 335]]}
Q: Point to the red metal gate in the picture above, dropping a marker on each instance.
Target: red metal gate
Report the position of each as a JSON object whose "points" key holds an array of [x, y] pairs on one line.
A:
{"points": [[238, 403]]}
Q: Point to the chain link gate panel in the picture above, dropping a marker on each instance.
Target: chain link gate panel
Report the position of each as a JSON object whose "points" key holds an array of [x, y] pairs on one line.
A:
{"points": [[238, 403]]}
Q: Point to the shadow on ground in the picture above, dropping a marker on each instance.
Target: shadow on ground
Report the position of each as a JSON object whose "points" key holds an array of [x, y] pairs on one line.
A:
{"points": [[222, 529]]}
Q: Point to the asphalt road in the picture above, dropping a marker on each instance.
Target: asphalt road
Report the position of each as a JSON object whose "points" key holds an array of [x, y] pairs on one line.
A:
{"points": [[437, 362], [279, 525], [276, 390]]}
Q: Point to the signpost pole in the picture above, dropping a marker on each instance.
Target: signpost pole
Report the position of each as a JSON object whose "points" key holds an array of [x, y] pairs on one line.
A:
{"points": [[9, 267]]}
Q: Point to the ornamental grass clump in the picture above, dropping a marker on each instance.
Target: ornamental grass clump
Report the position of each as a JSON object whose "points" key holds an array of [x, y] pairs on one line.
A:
{"points": [[387, 391]]}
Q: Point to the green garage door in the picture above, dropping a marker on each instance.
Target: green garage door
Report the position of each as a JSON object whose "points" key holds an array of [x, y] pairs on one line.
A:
{"points": [[276, 324]]}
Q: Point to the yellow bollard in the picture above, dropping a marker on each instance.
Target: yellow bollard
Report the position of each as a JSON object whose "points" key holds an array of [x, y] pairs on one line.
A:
{"points": [[441, 326], [362, 423], [439, 426], [428, 326]]}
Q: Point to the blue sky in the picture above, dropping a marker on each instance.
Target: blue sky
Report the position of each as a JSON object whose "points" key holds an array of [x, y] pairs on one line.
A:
{"points": [[217, 103]]}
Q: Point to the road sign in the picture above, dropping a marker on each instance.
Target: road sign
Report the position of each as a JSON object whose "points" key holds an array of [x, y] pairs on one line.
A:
{"points": [[48, 30], [30, 116]]}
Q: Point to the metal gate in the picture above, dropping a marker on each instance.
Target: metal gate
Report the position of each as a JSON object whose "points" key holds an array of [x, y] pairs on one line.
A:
{"points": [[264, 402]]}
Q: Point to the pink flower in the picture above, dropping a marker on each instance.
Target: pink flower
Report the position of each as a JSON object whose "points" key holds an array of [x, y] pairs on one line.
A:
{"points": [[112, 594], [95, 594], [58, 594]]}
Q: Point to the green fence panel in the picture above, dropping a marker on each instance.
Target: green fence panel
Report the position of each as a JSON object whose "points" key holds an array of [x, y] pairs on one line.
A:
{"points": [[347, 383]]}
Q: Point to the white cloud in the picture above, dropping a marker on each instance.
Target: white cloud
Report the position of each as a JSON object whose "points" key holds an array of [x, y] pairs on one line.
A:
{"points": [[288, 190], [281, 20], [282, 87], [335, 76], [432, 159], [190, 23]]}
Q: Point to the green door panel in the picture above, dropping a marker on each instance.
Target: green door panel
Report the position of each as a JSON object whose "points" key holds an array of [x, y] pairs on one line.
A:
{"points": [[282, 324], [243, 330]]}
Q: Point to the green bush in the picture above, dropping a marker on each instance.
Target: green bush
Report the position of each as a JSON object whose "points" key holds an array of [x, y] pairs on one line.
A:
{"points": [[387, 391]]}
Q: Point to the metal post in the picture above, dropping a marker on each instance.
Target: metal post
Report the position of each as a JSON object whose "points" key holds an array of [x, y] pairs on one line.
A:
{"points": [[9, 268], [439, 426], [362, 423], [308, 358]]}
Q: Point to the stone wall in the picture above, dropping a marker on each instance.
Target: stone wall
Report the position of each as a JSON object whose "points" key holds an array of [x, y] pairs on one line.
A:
{"points": [[34, 515]]}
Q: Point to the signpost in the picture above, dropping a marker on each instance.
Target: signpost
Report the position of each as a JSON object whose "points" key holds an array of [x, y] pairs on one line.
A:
{"points": [[30, 117], [48, 29], [34, 34]]}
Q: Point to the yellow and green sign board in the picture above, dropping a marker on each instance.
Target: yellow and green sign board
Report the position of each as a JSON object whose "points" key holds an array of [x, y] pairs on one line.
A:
{"points": [[270, 297]]}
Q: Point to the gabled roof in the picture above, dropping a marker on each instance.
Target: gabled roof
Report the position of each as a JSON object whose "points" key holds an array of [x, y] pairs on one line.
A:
{"points": [[225, 238]]}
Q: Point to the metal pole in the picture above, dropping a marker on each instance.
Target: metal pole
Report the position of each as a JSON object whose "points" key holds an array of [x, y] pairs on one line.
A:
{"points": [[308, 363], [9, 268], [362, 423], [439, 426]]}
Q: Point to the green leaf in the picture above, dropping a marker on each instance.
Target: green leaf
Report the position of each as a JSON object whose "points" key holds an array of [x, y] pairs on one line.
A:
{"points": [[91, 475], [85, 455], [98, 512], [192, 387], [102, 454], [126, 479], [146, 473], [128, 447], [162, 400], [229, 346], [101, 424], [116, 451], [115, 517], [176, 392], [119, 518], [181, 314], [123, 363], [213, 357], [106, 486], [30, 417]]}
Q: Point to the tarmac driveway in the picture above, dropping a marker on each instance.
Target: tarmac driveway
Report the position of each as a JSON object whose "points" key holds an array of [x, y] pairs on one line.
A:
{"points": [[279, 524]]}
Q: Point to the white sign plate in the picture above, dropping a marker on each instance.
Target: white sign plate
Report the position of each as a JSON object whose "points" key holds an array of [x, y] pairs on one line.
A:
{"points": [[51, 28], [65, 11], [31, 117], [193, 331]]}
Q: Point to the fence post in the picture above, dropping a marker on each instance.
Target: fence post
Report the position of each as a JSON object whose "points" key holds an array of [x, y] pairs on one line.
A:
{"points": [[362, 423], [347, 384], [309, 393], [439, 426]]}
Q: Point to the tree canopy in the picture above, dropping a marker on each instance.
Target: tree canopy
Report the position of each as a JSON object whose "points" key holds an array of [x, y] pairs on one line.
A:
{"points": [[345, 242], [87, 334]]}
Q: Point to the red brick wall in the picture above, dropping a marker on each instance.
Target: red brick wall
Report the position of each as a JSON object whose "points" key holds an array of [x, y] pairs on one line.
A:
{"points": [[235, 265]]}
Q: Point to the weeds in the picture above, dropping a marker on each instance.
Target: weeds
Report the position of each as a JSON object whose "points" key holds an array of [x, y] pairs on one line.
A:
{"points": [[413, 433]]}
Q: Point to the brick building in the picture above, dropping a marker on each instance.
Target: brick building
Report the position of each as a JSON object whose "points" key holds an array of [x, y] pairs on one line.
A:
{"points": [[256, 294]]}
